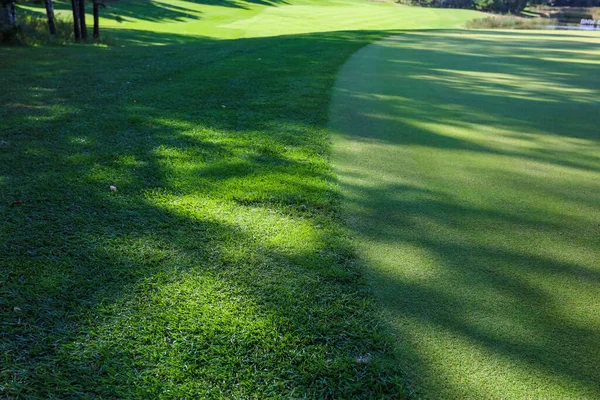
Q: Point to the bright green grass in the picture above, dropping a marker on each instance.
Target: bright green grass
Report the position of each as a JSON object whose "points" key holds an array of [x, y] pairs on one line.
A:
{"points": [[219, 267], [235, 19], [470, 165]]}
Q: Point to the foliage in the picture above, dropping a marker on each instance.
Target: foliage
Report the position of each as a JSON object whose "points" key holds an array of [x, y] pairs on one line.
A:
{"points": [[513, 6], [566, 3], [510, 6], [567, 14], [33, 30], [509, 22]]}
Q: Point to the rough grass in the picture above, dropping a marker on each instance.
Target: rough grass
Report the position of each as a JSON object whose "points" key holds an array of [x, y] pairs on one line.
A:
{"points": [[33, 30], [219, 267], [470, 165]]}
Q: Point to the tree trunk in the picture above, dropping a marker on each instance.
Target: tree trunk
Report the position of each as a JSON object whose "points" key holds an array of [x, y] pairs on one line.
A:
{"points": [[82, 19], [50, 13], [76, 27], [96, 20], [13, 12], [5, 17], [8, 20]]}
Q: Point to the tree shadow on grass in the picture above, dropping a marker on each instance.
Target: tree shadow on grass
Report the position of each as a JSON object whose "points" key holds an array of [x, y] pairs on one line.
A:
{"points": [[159, 11], [551, 101], [152, 11], [218, 266], [503, 299], [162, 11], [472, 189]]}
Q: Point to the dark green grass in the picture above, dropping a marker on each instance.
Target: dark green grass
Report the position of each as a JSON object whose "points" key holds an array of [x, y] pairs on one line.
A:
{"points": [[218, 269], [470, 164]]}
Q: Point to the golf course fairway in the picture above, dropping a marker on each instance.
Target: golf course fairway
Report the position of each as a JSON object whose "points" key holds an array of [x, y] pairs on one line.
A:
{"points": [[172, 224], [470, 167], [169, 213]]}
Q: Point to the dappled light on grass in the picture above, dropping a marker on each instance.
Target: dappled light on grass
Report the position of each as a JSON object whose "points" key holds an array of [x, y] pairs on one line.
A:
{"points": [[218, 266], [507, 86], [471, 174]]}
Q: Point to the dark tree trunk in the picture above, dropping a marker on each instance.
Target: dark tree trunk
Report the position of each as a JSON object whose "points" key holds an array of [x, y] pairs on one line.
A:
{"points": [[82, 19], [76, 27], [8, 20], [50, 13], [13, 12], [96, 20]]}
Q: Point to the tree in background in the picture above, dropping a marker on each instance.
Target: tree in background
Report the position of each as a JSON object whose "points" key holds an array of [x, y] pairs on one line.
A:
{"points": [[566, 3], [33, 29], [504, 6], [50, 14], [76, 26], [97, 5], [82, 24], [8, 15]]}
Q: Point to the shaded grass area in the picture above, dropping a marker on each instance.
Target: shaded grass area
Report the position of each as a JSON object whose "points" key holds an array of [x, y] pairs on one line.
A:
{"points": [[218, 268], [471, 171]]}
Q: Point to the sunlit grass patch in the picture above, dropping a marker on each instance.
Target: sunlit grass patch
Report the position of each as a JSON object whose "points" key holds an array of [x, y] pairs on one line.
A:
{"points": [[470, 177]]}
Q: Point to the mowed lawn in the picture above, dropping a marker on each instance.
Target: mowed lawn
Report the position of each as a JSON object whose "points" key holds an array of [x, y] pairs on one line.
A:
{"points": [[470, 168], [231, 19], [220, 266]]}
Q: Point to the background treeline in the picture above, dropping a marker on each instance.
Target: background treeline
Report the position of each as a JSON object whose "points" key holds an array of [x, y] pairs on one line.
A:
{"points": [[566, 3], [503, 6]]}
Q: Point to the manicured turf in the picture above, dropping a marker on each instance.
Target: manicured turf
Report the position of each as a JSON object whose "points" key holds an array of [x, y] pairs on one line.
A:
{"points": [[236, 19], [219, 267], [470, 165]]}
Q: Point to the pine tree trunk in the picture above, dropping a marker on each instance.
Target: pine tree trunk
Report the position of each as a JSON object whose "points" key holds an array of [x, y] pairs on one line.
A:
{"points": [[82, 19], [13, 10], [12, 14], [76, 27], [50, 13], [96, 20], [8, 20], [5, 17]]}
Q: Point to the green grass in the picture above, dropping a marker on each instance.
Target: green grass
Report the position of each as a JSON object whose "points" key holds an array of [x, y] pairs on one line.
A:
{"points": [[228, 19], [220, 267], [471, 172]]}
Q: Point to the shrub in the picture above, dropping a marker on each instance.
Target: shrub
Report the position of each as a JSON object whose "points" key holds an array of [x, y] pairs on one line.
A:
{"points": [[572, 16], [574, 13], [483, 5], [509, 22], [33, 30]]}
